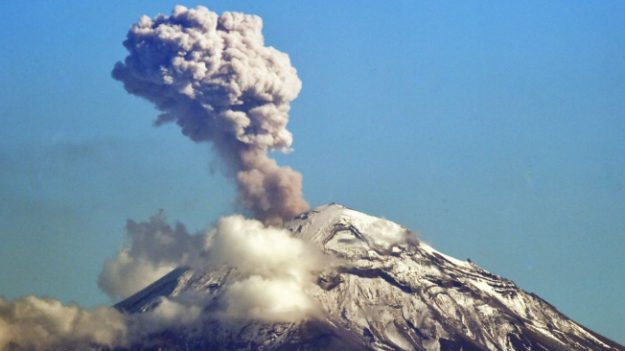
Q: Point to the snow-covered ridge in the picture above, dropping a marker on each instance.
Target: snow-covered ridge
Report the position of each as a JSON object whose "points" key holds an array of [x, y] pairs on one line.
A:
{"points": [[383, 289]]}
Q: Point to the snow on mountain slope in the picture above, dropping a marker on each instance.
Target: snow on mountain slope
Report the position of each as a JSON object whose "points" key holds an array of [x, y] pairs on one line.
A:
{"points": [[382, 290]]}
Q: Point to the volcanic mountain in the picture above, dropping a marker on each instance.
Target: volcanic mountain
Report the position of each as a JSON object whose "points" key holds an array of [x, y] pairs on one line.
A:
{"points": [[384, 291]]}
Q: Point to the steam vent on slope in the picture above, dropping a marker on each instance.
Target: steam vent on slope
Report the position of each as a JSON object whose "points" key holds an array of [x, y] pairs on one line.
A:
{"points": [[378, 288]]}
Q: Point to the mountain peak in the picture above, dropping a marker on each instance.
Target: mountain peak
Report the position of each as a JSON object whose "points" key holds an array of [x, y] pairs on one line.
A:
{"points": [[383, 290], [342, 228]]}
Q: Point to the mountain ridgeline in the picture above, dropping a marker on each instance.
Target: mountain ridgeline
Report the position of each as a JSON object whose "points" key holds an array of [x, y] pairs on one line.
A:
{"points": [[384, 290]]}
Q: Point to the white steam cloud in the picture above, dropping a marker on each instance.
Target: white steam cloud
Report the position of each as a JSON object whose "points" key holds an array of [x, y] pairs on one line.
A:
{"points": [[214, 77], [273, 268], [274, 272]]}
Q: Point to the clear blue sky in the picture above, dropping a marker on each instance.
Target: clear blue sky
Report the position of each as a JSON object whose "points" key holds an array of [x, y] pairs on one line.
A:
{"points": [[496, 131]]}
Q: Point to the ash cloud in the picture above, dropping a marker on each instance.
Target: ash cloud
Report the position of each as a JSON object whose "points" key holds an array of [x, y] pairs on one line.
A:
{"points": [[32, 323], [215, 78], [213, 75]]}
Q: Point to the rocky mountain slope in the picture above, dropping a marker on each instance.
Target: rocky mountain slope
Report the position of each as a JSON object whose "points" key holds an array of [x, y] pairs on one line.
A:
{"points": [[384, 290]]}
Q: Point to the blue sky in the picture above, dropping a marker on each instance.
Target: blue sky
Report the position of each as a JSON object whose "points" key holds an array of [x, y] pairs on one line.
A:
{"points": [[494, 130]]}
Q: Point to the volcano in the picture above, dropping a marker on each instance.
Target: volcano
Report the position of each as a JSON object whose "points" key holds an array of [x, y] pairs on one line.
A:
{"points": [[385, 290]]}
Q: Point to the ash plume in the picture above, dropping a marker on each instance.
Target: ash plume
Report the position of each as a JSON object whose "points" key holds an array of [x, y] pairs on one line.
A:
{"points": [[213, 75], [32, 323]]}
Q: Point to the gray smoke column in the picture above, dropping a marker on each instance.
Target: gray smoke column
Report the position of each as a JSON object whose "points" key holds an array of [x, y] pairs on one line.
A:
{"points": [[216, 79]]}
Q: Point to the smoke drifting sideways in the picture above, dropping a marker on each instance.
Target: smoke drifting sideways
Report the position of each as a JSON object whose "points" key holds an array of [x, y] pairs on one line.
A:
{"points": [[33, 323], [274, 276], [216, 79]]}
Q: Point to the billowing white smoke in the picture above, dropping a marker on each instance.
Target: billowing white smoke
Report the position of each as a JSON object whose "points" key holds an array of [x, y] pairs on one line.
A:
{"points": [[274, 269], [214, 76], [274, 273]]}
